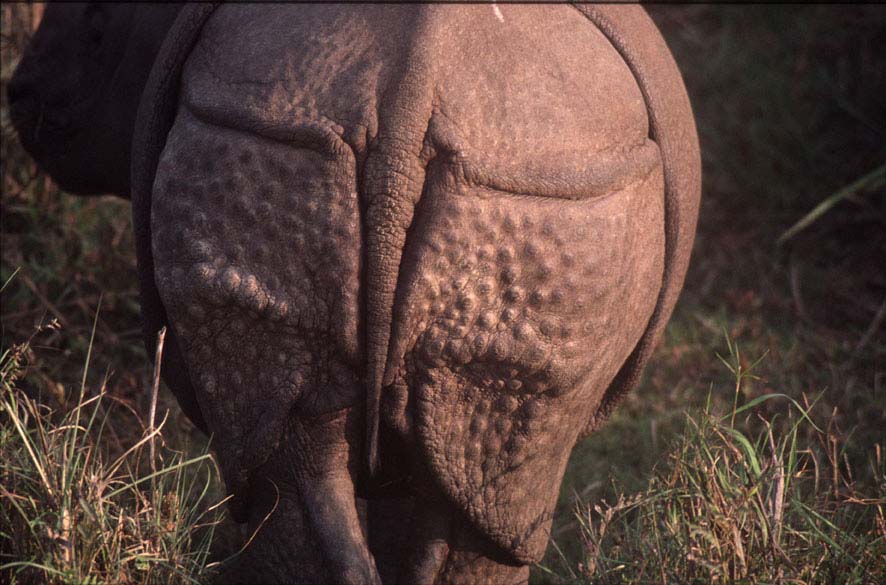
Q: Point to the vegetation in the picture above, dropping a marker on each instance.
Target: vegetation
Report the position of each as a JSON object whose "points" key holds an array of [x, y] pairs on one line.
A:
{"points": [[768, 468], [75, 511], [729, 507]]}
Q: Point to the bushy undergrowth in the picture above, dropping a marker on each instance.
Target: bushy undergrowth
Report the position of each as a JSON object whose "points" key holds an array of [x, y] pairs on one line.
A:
{"points": [[73, 509], [741, 499]]}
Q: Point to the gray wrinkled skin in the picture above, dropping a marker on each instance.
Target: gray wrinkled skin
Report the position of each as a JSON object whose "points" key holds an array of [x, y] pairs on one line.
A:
{"points": [[408, 256], [74, 95], [442, 240]]}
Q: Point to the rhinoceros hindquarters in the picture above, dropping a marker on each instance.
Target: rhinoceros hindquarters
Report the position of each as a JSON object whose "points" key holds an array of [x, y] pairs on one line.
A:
{"points": [[256, 259], [529, 270]]}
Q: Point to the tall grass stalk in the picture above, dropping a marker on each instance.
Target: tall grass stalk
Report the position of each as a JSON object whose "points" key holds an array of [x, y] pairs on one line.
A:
{"points": [[71, 512]]}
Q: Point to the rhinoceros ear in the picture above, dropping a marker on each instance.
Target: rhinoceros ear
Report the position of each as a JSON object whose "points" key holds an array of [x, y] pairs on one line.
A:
{"points": [[156, 114], [672, 127]]}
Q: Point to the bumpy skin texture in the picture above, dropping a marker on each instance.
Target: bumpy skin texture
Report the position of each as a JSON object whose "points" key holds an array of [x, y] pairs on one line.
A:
{"points": [[438, 239], [74, 96]]}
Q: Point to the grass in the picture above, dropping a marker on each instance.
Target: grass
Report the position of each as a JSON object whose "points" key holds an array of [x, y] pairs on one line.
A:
{"points": [[727, 506], [788, 102], [77, 506]]}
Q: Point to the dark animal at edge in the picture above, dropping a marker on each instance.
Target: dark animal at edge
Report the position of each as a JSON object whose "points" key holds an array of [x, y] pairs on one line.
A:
{"points": [[74, 96]]}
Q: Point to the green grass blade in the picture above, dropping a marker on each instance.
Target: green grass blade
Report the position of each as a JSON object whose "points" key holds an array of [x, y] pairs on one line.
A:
{"points": [[759, 399], [871, 180], [158, 473]]}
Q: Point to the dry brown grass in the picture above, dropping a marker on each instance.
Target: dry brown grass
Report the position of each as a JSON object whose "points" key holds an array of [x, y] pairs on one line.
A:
{"points": [[77, 506]]}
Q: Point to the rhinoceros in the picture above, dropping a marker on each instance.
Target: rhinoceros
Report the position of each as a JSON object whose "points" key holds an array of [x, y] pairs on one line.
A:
{"points": [[407, 256], [74, 96]]}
